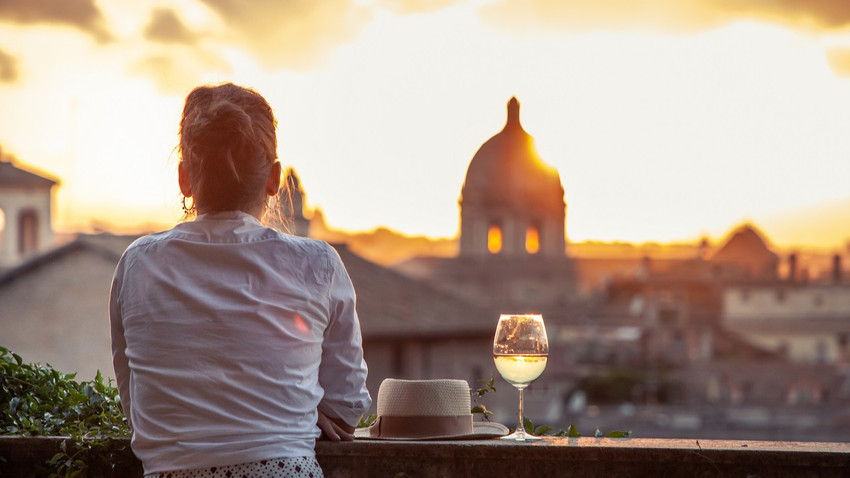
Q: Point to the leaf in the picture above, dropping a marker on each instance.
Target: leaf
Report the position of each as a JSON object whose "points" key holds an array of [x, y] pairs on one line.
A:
{"points": [[486, 387], [542, 429], [572, 432], [528, 425], [13, 404], [619, 434], [367, 421]]}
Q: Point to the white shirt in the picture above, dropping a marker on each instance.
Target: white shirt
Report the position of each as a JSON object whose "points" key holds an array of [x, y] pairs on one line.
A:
{"points": [[226, 337]]}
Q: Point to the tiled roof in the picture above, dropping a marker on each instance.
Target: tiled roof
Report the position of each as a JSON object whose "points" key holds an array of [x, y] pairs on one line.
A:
{"points": [[388, 303], [107, 245], [391, 304], [10, 175]]}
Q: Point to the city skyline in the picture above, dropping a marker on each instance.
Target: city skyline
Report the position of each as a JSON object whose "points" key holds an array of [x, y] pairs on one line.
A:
{"points": [[666, 122]]}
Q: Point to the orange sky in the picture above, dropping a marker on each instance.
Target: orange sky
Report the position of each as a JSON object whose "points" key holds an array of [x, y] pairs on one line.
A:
{"points": [[666, 119]]}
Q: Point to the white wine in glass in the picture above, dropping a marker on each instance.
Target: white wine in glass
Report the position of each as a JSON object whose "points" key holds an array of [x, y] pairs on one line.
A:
{"points": [[520, 351]]}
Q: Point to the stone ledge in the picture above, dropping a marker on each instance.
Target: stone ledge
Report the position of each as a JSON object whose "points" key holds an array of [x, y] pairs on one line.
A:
{"points": [[551, 457], [586, 457]]}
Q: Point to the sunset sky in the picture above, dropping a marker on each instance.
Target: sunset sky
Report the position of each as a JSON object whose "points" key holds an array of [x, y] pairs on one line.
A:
{"points": [[666, 119]]}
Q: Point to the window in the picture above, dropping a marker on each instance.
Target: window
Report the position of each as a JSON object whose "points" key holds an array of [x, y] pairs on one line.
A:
{"points": [[27, 232], [532, 240], [494, 239]]}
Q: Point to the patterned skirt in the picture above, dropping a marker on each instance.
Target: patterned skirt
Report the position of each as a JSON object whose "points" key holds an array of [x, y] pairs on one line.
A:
{"points": [[290, 467]]}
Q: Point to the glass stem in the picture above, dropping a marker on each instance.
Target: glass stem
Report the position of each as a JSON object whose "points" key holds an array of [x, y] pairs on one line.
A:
{"points": [[521, 428]]}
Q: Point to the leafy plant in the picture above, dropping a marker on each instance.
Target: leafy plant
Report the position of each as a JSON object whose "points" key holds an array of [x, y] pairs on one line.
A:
{"points": [[486, 387], [39, 400], [367, 421], [530, 428], [570, 432]]}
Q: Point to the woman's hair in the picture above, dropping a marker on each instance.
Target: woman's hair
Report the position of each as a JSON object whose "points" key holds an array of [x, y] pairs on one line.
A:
{"points": [[228, 142]]}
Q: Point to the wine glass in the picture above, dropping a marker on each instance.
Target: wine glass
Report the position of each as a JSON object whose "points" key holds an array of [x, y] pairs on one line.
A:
{"points": [[520, 351]]}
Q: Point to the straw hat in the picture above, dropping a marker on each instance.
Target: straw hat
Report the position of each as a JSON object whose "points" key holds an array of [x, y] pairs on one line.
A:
{"points": [[427, 410]]}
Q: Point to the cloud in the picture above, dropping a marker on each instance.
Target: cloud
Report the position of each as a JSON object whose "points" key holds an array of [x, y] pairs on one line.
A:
{"points": [[8, 68], [166, 27], [415, 6], [294, 33], [839, 60], [82, 14], [179, 70], [809, 14], [664, 15]]}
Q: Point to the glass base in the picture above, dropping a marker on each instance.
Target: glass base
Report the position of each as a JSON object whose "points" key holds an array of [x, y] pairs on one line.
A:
{"points": [[520, 435]]}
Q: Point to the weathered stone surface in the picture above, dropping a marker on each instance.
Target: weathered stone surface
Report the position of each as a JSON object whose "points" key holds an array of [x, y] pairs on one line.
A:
{"points": [[552, 457]]}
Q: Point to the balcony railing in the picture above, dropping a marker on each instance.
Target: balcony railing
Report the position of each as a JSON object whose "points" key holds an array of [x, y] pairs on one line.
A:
{"points": [[552, 457]]}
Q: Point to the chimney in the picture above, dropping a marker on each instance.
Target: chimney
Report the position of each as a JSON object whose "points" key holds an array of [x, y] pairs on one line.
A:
{"points": [[836, 268]]}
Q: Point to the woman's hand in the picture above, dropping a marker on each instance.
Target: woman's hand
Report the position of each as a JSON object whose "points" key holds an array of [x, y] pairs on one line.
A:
{"points": [[334, 429]]}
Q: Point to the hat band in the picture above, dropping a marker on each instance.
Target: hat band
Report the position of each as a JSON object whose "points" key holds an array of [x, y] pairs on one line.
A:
{"points": [[421, 427]]}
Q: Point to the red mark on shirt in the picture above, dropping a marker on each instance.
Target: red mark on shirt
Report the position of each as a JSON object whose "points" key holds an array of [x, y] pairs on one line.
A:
{"points": [[299, 322]]}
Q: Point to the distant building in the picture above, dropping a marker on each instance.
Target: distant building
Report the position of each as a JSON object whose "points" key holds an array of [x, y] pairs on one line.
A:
{"points": [[805, 320], [725, 329], [512, 204], [290, 203], [745, 255], [53, 307], [512, 232], [25, 214]]}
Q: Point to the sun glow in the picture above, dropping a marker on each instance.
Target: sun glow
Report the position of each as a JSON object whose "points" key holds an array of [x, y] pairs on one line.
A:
{"points": [[656, 136]]}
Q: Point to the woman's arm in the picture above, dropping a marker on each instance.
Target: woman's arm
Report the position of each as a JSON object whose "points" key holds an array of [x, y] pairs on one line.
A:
{"points": [[119, 345], [342, 373]]}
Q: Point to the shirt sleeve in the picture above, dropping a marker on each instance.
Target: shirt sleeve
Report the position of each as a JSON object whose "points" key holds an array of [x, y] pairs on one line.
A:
{"points": [[342, 373], [119, 345]]}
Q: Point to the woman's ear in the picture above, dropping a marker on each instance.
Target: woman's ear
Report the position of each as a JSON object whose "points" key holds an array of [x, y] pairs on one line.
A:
{"points": [[273, 183], [184, 180]]}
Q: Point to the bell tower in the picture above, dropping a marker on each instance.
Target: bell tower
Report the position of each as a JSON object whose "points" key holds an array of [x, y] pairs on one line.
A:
{"points": [[25, 204]]}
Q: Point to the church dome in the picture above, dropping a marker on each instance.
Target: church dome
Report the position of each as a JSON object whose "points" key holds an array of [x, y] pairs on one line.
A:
{"points": [[748, 251], [507, 171]]}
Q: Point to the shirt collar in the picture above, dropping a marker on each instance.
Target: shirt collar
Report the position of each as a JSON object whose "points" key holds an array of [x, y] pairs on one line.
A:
{"points": [[229, 216]]}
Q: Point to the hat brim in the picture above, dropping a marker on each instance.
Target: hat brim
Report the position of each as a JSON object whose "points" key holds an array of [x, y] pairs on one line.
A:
{"points": [[480, 431]]}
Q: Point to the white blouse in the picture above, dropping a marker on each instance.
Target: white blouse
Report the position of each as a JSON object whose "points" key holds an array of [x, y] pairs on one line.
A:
{"points": [[226, 338]]}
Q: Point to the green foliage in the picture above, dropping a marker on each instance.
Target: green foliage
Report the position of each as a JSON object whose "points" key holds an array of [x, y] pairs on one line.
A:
{"points": [[486, 387], [38, 400], [570, 432], [367, 421], [530, 428]]}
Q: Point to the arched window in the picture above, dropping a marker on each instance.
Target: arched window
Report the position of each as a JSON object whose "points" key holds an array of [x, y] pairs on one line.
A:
{"points": [[27, 232], [494, 239], [532, 240]]}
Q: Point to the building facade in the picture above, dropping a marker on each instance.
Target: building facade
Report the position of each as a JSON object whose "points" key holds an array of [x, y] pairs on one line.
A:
{"points": [[25, 214]]}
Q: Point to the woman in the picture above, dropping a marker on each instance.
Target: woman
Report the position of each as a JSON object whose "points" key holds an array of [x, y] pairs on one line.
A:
{"points": [[231, 341]]}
